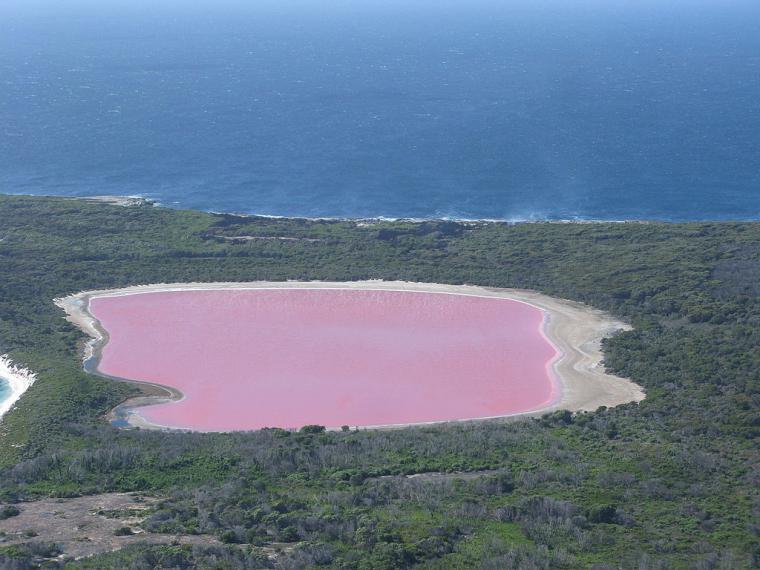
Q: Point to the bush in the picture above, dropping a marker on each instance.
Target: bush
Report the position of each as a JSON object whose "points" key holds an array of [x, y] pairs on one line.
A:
{"points": [[313, 429], [9, 511], [229, 537], [602, 514]]}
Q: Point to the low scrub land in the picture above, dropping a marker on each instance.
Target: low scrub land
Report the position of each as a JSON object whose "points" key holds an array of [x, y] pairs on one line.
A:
{"points": [[670, 482]]}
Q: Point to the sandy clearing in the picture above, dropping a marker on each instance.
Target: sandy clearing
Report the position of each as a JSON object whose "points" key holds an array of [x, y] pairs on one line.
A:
{"points": [[266, 238], [85, 526], [575, 329], [125, 201]]}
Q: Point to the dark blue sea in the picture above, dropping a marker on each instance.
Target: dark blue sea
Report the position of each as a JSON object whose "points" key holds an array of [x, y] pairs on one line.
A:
{"points": [[511, 109]]}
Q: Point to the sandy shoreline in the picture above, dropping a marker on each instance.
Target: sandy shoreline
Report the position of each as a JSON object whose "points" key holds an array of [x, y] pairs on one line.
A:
{"points": [[19, 380], [575, 330]]}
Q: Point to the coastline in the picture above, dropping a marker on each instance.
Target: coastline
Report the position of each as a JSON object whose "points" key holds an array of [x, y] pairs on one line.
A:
{"points": [[137, 200], [575, 330], [19, 379]]}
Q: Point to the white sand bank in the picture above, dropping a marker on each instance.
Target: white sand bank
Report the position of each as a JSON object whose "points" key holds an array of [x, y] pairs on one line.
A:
{"points": [[19, 380], [575, 329]]}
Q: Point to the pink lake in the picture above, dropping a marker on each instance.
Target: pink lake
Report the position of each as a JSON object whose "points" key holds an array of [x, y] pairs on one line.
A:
{"points": [[247, 359]]}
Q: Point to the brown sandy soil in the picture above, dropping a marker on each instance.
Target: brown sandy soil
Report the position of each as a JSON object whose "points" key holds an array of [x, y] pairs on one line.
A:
{"points": [[275, 238], [575, 329], [439, 476], [84, 526]]}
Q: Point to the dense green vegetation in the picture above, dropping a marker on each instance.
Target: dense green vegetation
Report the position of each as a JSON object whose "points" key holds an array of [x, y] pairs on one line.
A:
{"points": [[669, 483]]}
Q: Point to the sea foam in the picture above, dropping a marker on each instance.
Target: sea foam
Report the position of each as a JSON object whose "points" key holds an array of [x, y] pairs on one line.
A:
{"points": [[19, 379]]}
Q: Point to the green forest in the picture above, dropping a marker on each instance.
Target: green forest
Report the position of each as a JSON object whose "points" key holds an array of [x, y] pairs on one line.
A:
{"points": [[671, 482]]}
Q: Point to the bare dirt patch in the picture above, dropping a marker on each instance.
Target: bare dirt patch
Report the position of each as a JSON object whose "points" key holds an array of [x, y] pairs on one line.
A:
{"points": [[84, 526]]}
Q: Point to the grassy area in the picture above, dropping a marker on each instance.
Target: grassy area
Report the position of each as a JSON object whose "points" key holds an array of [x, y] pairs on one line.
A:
{"points": [[669, 483]]}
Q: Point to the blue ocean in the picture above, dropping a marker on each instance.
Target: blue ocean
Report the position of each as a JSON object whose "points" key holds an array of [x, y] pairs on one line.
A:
{"points": [[5, 390], [509, 109]]}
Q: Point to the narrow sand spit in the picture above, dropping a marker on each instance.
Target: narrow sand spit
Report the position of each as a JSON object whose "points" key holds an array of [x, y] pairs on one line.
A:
{"points": [[19, 380], [575, 330]]}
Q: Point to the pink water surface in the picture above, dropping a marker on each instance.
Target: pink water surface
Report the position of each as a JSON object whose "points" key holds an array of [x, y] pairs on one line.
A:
{"points": [[246, 359]]}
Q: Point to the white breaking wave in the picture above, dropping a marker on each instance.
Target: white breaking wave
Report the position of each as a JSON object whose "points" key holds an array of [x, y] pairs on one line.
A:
{"points": [[19, 379]]}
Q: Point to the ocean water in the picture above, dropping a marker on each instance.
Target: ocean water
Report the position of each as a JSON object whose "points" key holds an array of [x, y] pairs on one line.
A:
{"points": [[5, 390], [510, 109]]}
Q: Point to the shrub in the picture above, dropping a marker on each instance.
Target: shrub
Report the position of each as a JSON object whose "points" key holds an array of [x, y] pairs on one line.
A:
{"points": [[9, 511], [601, 514], [312, 429]]}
